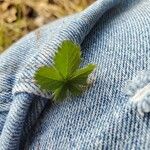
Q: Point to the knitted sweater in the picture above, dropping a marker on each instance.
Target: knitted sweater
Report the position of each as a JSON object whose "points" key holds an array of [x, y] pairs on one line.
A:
{"points": [[113, 114]]}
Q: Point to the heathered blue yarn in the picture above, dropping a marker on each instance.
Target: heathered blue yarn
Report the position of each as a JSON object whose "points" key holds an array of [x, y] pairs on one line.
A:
{"points": [[113, 34]]}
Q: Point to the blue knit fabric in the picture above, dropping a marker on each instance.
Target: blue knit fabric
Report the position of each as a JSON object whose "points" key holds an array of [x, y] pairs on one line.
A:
{"points": [[113, 114]]}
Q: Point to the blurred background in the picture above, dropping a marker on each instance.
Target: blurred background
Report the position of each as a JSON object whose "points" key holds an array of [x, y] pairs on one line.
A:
{"points": [[18, 17]]}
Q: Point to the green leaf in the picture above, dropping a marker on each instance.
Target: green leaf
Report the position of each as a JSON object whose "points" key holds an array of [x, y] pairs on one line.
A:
{"points": [[64, 77], [67, 59], [80, 76], [48, 78]]}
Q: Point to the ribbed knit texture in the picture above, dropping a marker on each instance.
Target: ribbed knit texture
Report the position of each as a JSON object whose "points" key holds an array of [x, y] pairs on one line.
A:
{"points": [[112, 114]]}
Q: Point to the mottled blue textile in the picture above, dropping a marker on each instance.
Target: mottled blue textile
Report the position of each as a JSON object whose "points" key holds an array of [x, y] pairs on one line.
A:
{"points": [[113, 114]]}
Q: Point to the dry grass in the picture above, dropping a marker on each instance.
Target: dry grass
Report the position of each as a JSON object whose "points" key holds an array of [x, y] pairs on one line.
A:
{"points": [[18, 17]]}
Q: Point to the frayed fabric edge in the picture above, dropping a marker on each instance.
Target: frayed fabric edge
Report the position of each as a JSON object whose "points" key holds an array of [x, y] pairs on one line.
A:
{"points": [[138, 90]]}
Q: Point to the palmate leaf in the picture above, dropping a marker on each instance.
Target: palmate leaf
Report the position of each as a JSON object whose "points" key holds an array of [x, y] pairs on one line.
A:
{"points": [[64, 77], [68, 58]]}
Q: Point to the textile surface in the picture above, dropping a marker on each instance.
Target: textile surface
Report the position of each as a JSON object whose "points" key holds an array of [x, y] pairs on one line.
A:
{"points": [[112, 114]]}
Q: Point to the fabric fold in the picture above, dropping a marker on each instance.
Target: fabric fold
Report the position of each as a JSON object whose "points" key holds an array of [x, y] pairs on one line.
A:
{"points": [[35, 50]]}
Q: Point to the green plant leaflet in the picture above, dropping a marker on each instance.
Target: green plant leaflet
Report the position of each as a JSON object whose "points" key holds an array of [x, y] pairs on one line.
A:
{"points": [[64, 77]]}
